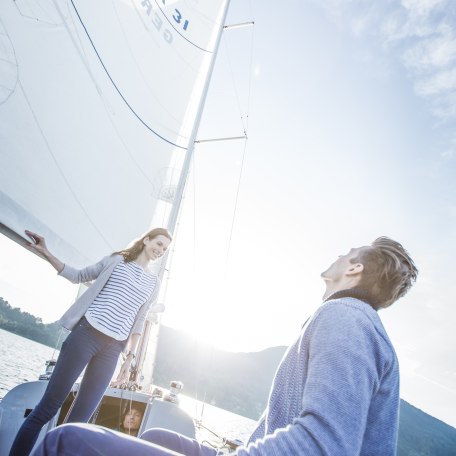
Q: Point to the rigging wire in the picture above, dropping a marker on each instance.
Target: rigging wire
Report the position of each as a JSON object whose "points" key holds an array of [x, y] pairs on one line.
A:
{"points": [[128, 406], [105, 105], [233, 219], [85, 60], [236, 92], [230, 66], [143, 77], [225, 442], [132, 110], [62, 330], [197, 377], [245, 128], [252, 48], [175, 159], [194, 209]]}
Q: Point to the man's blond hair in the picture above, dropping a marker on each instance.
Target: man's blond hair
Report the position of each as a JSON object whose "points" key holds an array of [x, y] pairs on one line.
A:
{"points": [[389, 271]]}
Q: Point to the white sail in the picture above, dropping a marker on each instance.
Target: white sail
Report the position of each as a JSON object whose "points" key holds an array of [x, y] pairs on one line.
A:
{"points": [[99, 103]]}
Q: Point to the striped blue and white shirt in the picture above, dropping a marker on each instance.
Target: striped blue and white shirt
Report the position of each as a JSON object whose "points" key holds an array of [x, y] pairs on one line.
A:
{"points": [[114, 310]]}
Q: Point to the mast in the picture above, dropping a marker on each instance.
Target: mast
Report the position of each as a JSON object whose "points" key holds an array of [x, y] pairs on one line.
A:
{"points": [[174, 213], [188, 158]]}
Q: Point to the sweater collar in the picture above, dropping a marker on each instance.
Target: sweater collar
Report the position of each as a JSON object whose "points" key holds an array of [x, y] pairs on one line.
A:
{"points": [[356, 293]]}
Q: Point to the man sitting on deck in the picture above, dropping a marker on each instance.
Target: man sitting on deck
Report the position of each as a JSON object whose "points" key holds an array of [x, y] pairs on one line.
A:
{"points": [[336, 391]]}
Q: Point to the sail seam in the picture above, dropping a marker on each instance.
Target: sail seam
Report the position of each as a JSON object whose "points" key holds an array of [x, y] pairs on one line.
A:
{"points": [[60, 169], [235, 205]]}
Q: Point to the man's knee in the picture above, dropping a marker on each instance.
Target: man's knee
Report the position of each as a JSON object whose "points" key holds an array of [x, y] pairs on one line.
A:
{"points": [[176, 442], [159, 436], [60, 439]]}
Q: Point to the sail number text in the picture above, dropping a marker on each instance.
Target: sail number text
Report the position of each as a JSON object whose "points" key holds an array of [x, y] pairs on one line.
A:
{"points": [[158, 21]]}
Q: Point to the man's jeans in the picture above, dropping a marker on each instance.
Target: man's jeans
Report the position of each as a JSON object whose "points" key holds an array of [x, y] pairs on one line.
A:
{"points": [[90, 440], [85, 346]]}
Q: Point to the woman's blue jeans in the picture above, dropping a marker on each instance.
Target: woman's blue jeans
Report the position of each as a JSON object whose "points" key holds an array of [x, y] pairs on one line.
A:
{"points": [[85, 346]]}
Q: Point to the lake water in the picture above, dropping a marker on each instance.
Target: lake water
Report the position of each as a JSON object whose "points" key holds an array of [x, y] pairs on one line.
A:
{"points": [[23, 360]]}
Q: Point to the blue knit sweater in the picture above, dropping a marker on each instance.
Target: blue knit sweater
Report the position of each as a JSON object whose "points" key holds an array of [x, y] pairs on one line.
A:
{"points": [[336, 390]]}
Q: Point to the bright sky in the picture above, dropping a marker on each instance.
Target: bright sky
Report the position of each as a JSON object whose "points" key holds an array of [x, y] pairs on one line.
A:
{"points": [[352, 135]]}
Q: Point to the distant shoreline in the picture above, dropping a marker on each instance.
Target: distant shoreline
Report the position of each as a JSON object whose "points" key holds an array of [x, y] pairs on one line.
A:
{"points": [[13, 320], [420, 434]]}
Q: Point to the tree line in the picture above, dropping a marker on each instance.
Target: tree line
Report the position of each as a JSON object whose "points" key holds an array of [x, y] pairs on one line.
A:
{"points": [[23, 324]]}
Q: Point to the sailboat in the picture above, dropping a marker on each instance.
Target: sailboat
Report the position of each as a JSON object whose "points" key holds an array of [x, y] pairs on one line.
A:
{"points": [[100, 104]]}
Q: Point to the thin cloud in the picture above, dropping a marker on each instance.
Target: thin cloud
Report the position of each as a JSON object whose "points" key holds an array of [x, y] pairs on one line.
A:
{"points": [[433, 53], [422, 30], [441, 83], [419, 34], [420, 8], [449, 154]]}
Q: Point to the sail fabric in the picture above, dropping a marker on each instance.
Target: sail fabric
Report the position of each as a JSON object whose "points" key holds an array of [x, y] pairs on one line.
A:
{"points": [[98, 105]]}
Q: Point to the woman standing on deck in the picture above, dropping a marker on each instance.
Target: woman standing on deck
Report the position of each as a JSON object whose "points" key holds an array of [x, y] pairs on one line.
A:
{"points": [[108, 317]]}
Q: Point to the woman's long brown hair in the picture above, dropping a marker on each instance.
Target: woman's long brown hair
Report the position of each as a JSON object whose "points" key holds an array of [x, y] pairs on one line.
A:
{"points": [[131, 253]]}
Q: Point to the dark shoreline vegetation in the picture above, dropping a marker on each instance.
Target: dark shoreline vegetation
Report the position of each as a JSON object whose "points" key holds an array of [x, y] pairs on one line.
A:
{"points": [[237, 382], [23, 324]]}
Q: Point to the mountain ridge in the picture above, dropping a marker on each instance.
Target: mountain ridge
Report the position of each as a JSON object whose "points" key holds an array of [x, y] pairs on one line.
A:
{"points": [[240, 382]]}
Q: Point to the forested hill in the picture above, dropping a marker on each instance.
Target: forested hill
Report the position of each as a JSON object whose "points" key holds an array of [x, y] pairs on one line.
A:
{"points": [[26, 325], [423, 435], [238, 382]]}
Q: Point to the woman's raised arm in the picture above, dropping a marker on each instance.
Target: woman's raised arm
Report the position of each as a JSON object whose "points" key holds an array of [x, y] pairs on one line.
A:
{"points": [[39, 245]]}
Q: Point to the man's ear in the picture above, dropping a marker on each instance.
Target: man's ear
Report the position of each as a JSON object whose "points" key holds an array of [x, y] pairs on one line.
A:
{"points": [[354, 269]]}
